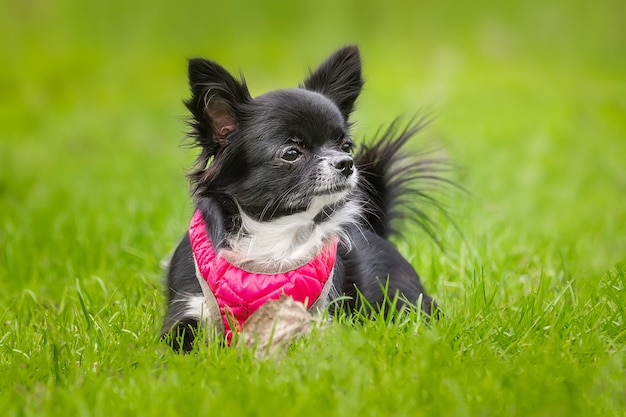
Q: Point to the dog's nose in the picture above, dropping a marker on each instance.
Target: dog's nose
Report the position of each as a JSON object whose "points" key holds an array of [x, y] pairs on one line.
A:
{"points": [[345, 165]]}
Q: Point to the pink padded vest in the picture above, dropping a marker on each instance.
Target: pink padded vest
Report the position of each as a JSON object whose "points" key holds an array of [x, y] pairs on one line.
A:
{"points": [[240, 293]]}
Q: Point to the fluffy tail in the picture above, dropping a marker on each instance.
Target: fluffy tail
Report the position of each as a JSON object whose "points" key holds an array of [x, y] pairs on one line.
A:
{"points": [[398, 185]]}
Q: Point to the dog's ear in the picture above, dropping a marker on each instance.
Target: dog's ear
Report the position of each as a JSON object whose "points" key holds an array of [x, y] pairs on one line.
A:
{"points": [[339, 78], [216, 97]]}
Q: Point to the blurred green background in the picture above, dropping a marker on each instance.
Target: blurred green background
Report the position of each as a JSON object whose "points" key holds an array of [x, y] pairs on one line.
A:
{"points": [[530, 98]]}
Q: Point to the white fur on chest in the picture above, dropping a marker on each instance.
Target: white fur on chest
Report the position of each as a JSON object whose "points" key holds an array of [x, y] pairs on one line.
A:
{"points": [[290, 240]]}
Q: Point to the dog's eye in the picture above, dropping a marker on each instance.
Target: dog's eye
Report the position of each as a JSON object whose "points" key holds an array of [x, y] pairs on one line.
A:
{"points": [[347, 147], [290, 155]]}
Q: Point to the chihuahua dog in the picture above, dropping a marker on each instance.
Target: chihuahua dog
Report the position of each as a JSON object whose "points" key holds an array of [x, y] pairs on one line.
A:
{"points": [[285, 203]]}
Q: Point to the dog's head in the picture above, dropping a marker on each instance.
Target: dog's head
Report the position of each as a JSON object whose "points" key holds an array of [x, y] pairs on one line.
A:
{"points": [[282, 153]]}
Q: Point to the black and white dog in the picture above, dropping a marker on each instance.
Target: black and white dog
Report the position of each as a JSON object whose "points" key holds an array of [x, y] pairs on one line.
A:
{"points": [[279, 181]]}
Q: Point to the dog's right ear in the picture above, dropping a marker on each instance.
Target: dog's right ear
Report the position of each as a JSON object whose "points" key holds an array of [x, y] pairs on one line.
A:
{"points": [[339, 78], [216, 98]]}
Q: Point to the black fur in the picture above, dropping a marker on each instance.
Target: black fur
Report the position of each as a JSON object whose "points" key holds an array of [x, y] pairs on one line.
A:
{"points": [[339, 79], [246, 146]]}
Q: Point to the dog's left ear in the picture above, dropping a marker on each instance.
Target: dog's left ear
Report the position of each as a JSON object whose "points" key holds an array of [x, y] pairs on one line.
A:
{"points": [[216, 98], [339, 78]]}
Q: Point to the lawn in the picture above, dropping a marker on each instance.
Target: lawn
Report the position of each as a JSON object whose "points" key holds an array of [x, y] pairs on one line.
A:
{"points": [[530, 104]]}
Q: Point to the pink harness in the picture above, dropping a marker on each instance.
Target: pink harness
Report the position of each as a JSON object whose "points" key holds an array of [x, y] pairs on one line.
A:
{"points": [[240, 293]]}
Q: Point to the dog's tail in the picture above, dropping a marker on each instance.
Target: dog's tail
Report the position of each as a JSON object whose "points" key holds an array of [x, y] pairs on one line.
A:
{"points": [[398, 185]]}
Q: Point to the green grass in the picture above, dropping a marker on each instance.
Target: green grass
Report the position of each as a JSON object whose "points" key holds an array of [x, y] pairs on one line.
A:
{"points": [[531, 103]]}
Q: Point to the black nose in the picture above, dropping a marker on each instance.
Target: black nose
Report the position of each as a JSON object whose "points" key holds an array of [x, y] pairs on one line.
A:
{"points": [[345, 165]]}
